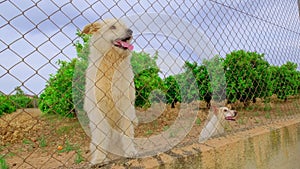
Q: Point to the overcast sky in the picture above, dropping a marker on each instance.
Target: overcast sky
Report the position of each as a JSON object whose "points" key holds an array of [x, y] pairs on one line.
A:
{"points": [[35, 34]]}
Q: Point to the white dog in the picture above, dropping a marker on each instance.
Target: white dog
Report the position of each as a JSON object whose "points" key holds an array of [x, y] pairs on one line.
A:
{"points": [[216, 121], [110, 92]]}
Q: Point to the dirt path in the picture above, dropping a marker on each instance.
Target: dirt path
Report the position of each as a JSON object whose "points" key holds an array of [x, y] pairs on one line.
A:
{"points": [[32, 140]]}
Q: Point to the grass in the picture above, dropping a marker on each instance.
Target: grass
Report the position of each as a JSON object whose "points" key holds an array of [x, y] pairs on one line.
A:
{"points": [[64, 130], [3, 164], [249, 108], [165, 128], [27, 142], [149, 132], [241, 121], [2, 148], [267, 115], [279, 112], [78, 158], [68, 147], [42, 141], [155, 123], [172, 135], [10, 154], [198, 121], [267, 107]]}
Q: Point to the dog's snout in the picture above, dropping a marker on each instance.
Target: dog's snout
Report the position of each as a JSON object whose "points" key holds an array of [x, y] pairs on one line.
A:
{"points": [[235, 113], [129, 32]]}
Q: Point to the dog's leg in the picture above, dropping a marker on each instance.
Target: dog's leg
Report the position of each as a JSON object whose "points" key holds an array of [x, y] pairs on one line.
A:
{"points": [[127, 140], [213, 126], [99, 142]]}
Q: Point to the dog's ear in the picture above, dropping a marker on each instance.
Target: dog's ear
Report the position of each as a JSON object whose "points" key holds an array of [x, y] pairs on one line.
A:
{"points": [[229, 106], [91, 28]]}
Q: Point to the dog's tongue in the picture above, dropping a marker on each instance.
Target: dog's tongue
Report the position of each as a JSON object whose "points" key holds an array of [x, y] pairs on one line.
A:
{"points": [[124, 44], [230, 118]]}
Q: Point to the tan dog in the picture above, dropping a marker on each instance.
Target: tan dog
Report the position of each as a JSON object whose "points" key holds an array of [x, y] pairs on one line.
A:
{"points": [[216, 121], [110, 91]]}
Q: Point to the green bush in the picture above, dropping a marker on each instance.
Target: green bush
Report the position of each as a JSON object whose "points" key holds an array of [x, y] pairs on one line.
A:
{"points": [[20, 100], [65, 90], [172, 90], [3, 163], [216, 82], [57, 96], [146, 78], [11, 103], [6, 105], [247, 76], [195, 83], [285, 80], [80, 68]]}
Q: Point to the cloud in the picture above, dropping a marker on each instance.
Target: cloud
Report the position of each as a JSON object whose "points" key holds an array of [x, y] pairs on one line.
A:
{"points": [[33, 36]]}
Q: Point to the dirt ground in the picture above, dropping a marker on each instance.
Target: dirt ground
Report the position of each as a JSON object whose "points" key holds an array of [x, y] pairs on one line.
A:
{"points": [[29, 139]]}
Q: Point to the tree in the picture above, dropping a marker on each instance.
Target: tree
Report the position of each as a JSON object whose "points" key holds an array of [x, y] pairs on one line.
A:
{"points": [[247, 75], [285, 80], [196, 83], [57, 96], [146, 78], [172, 91]]}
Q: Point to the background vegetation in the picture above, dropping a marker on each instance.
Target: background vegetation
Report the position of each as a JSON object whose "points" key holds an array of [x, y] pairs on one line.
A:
{"points": [[10, 103], [247, 76]]}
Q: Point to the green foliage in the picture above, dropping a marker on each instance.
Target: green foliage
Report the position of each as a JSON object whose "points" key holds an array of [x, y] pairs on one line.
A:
{"points": [[20, 100], [146, 78], [3, 163], [57, 96], [172, 90], [285, 80], [195, 83], [6, 105], [11, 103], [78, 158], [65, 89], [80, 69], [217, 79], [247, 75]]}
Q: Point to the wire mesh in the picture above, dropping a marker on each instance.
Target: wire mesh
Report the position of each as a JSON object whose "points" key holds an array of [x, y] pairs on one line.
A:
{"points": [[200, 69]]}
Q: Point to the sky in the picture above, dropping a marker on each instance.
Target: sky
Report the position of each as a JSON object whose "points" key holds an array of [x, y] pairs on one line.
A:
{"points": [[35, 34]]}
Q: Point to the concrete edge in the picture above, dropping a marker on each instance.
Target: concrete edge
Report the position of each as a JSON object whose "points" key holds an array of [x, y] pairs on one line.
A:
{"points": [[188, 154]]}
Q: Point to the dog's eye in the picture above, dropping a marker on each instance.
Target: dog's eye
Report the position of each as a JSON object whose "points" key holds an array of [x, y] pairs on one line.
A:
{"points": [[113, 27], [225, 110]]}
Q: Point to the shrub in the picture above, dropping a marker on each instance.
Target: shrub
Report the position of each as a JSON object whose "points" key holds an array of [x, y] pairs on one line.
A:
{"points": [[20, 100], [217, 81], [247, 75], [57, 96], [3, 163], [65, 89], [195, 83], [6, 105], [80, 69], [146, 78], [11, 103], [285, 80], [172, 90]]}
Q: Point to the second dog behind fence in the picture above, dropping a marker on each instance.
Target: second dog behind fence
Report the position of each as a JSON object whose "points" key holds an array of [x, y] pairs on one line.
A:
{"points": [[216, 122]]}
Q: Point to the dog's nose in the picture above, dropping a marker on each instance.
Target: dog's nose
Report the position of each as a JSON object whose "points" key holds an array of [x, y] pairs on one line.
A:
{"points": [[129, 31]]}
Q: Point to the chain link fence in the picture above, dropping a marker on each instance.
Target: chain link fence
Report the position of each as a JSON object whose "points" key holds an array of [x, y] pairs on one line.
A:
{"points": [[199, 70]]}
